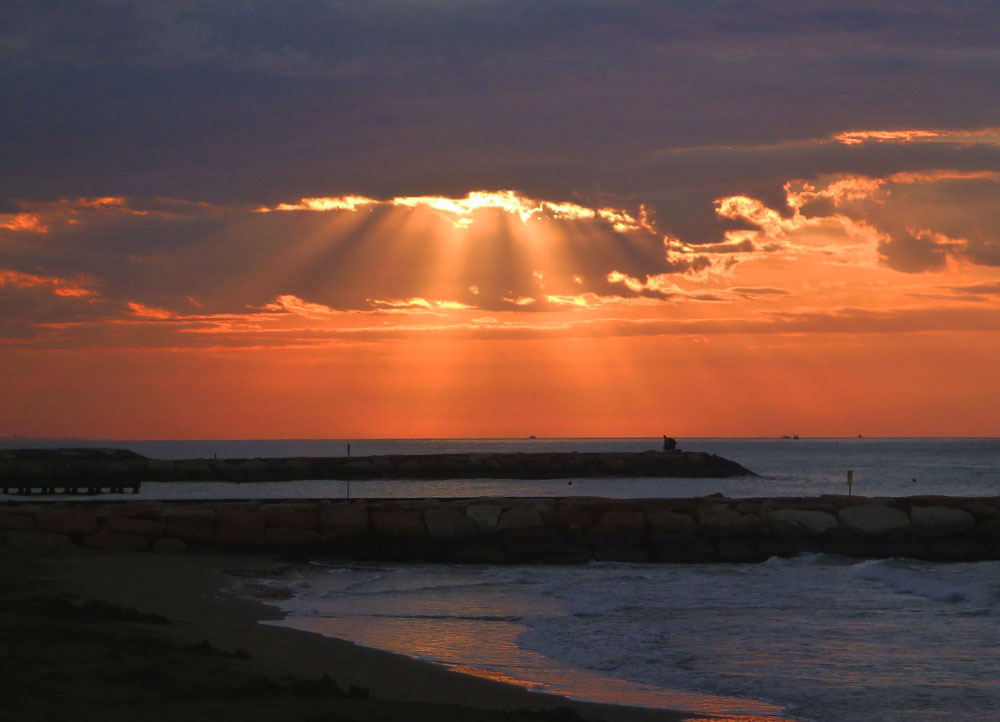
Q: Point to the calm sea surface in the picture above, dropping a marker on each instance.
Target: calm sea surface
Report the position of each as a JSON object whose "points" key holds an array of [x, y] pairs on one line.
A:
{"points": [[817, 638]]}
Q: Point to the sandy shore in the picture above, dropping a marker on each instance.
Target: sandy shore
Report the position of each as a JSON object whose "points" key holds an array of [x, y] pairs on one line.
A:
{"points": [[166, 642]]}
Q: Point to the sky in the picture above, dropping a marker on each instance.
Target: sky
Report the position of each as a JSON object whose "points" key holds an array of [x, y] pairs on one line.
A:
{"points": [[496, 218]]}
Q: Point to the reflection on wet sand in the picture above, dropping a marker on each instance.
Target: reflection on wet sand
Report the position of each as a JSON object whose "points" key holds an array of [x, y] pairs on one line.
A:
{"points": [[449, 640]]}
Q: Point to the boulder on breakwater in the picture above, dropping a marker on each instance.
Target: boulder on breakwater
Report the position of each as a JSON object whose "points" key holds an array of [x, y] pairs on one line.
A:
{"points": [[58, 466], [496, 530]]}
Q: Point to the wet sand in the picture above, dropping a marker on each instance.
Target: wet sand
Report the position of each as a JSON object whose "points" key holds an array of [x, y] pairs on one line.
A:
{"points": [[117, 636]]}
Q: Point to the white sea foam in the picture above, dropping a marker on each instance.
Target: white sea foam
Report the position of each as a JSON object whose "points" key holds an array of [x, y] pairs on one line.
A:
{"points": [[830, 639], [974, 585], [827, 638]]}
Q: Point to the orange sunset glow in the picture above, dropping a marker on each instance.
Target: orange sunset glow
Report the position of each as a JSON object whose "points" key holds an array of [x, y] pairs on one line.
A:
{"points": [[499, 360], [403, 222], [496, 314]]}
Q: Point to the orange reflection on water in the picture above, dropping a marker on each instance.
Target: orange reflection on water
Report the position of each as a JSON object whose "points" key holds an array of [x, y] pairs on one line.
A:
{"points": [[491, 651], [593, 687], [494, 676]]}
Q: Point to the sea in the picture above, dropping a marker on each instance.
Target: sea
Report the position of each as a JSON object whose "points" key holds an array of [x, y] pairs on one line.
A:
{"points": [[783, 467], [815, 638]]}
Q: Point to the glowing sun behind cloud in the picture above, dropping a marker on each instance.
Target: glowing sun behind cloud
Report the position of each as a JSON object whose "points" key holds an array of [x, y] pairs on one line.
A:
{"points": [[499, 314]]}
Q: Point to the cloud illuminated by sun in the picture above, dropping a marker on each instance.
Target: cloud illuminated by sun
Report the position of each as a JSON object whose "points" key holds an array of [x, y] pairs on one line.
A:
{"points": [[857, 137], [460, 211], [41, 216], [409, 304], [150, 312], [72, 288], [916, 135], [341, 203], [581, 300], [295, 305], [562, 263], [22, 222]]}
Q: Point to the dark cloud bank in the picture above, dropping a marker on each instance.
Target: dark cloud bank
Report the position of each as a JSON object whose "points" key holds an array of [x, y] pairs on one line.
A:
{"points": [[255, 101]]}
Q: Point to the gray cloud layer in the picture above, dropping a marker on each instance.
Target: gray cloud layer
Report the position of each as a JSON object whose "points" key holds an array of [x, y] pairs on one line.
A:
{"points": [[586, 100], [602, 103]]}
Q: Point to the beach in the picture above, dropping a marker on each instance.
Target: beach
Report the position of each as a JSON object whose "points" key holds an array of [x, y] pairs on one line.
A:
{"points": [[822, 634], [120, 636]]}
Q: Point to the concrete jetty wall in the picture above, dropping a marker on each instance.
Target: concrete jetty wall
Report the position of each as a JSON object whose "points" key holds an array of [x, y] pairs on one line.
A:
{"points": [[508, 530], [57, 466]]}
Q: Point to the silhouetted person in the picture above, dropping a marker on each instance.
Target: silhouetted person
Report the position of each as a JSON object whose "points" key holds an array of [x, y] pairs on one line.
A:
{"points": [[668, 443]]}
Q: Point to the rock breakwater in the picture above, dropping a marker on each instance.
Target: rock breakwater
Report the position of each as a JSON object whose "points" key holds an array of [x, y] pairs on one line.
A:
{"points": [[59, 466], [508, 530]]}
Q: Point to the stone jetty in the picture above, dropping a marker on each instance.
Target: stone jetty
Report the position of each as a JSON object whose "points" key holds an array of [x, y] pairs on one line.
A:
{"points": [[56, 467], [517, 530]]}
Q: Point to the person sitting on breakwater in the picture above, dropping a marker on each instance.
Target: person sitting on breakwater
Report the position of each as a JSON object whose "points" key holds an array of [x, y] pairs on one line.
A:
{"points": [[669, 444]]}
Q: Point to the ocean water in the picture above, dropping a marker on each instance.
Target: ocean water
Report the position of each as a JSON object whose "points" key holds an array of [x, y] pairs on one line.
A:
{"points": [[816, 638], [784, 467]]}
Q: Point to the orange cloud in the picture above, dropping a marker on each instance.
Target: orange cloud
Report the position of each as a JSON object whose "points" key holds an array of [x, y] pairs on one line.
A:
{"points": [[633, 284], [656, 286], [519, 300], [419, 304], [986, 288], [934, 176], [583, 300], [144, 311], [913, 221], [838, 189], [754, 211], [857, 137], [340, 203], [235, 332], [58, 286], [295, 305], [460, 211], [913, 135], [41, 216], [22, 222]]}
